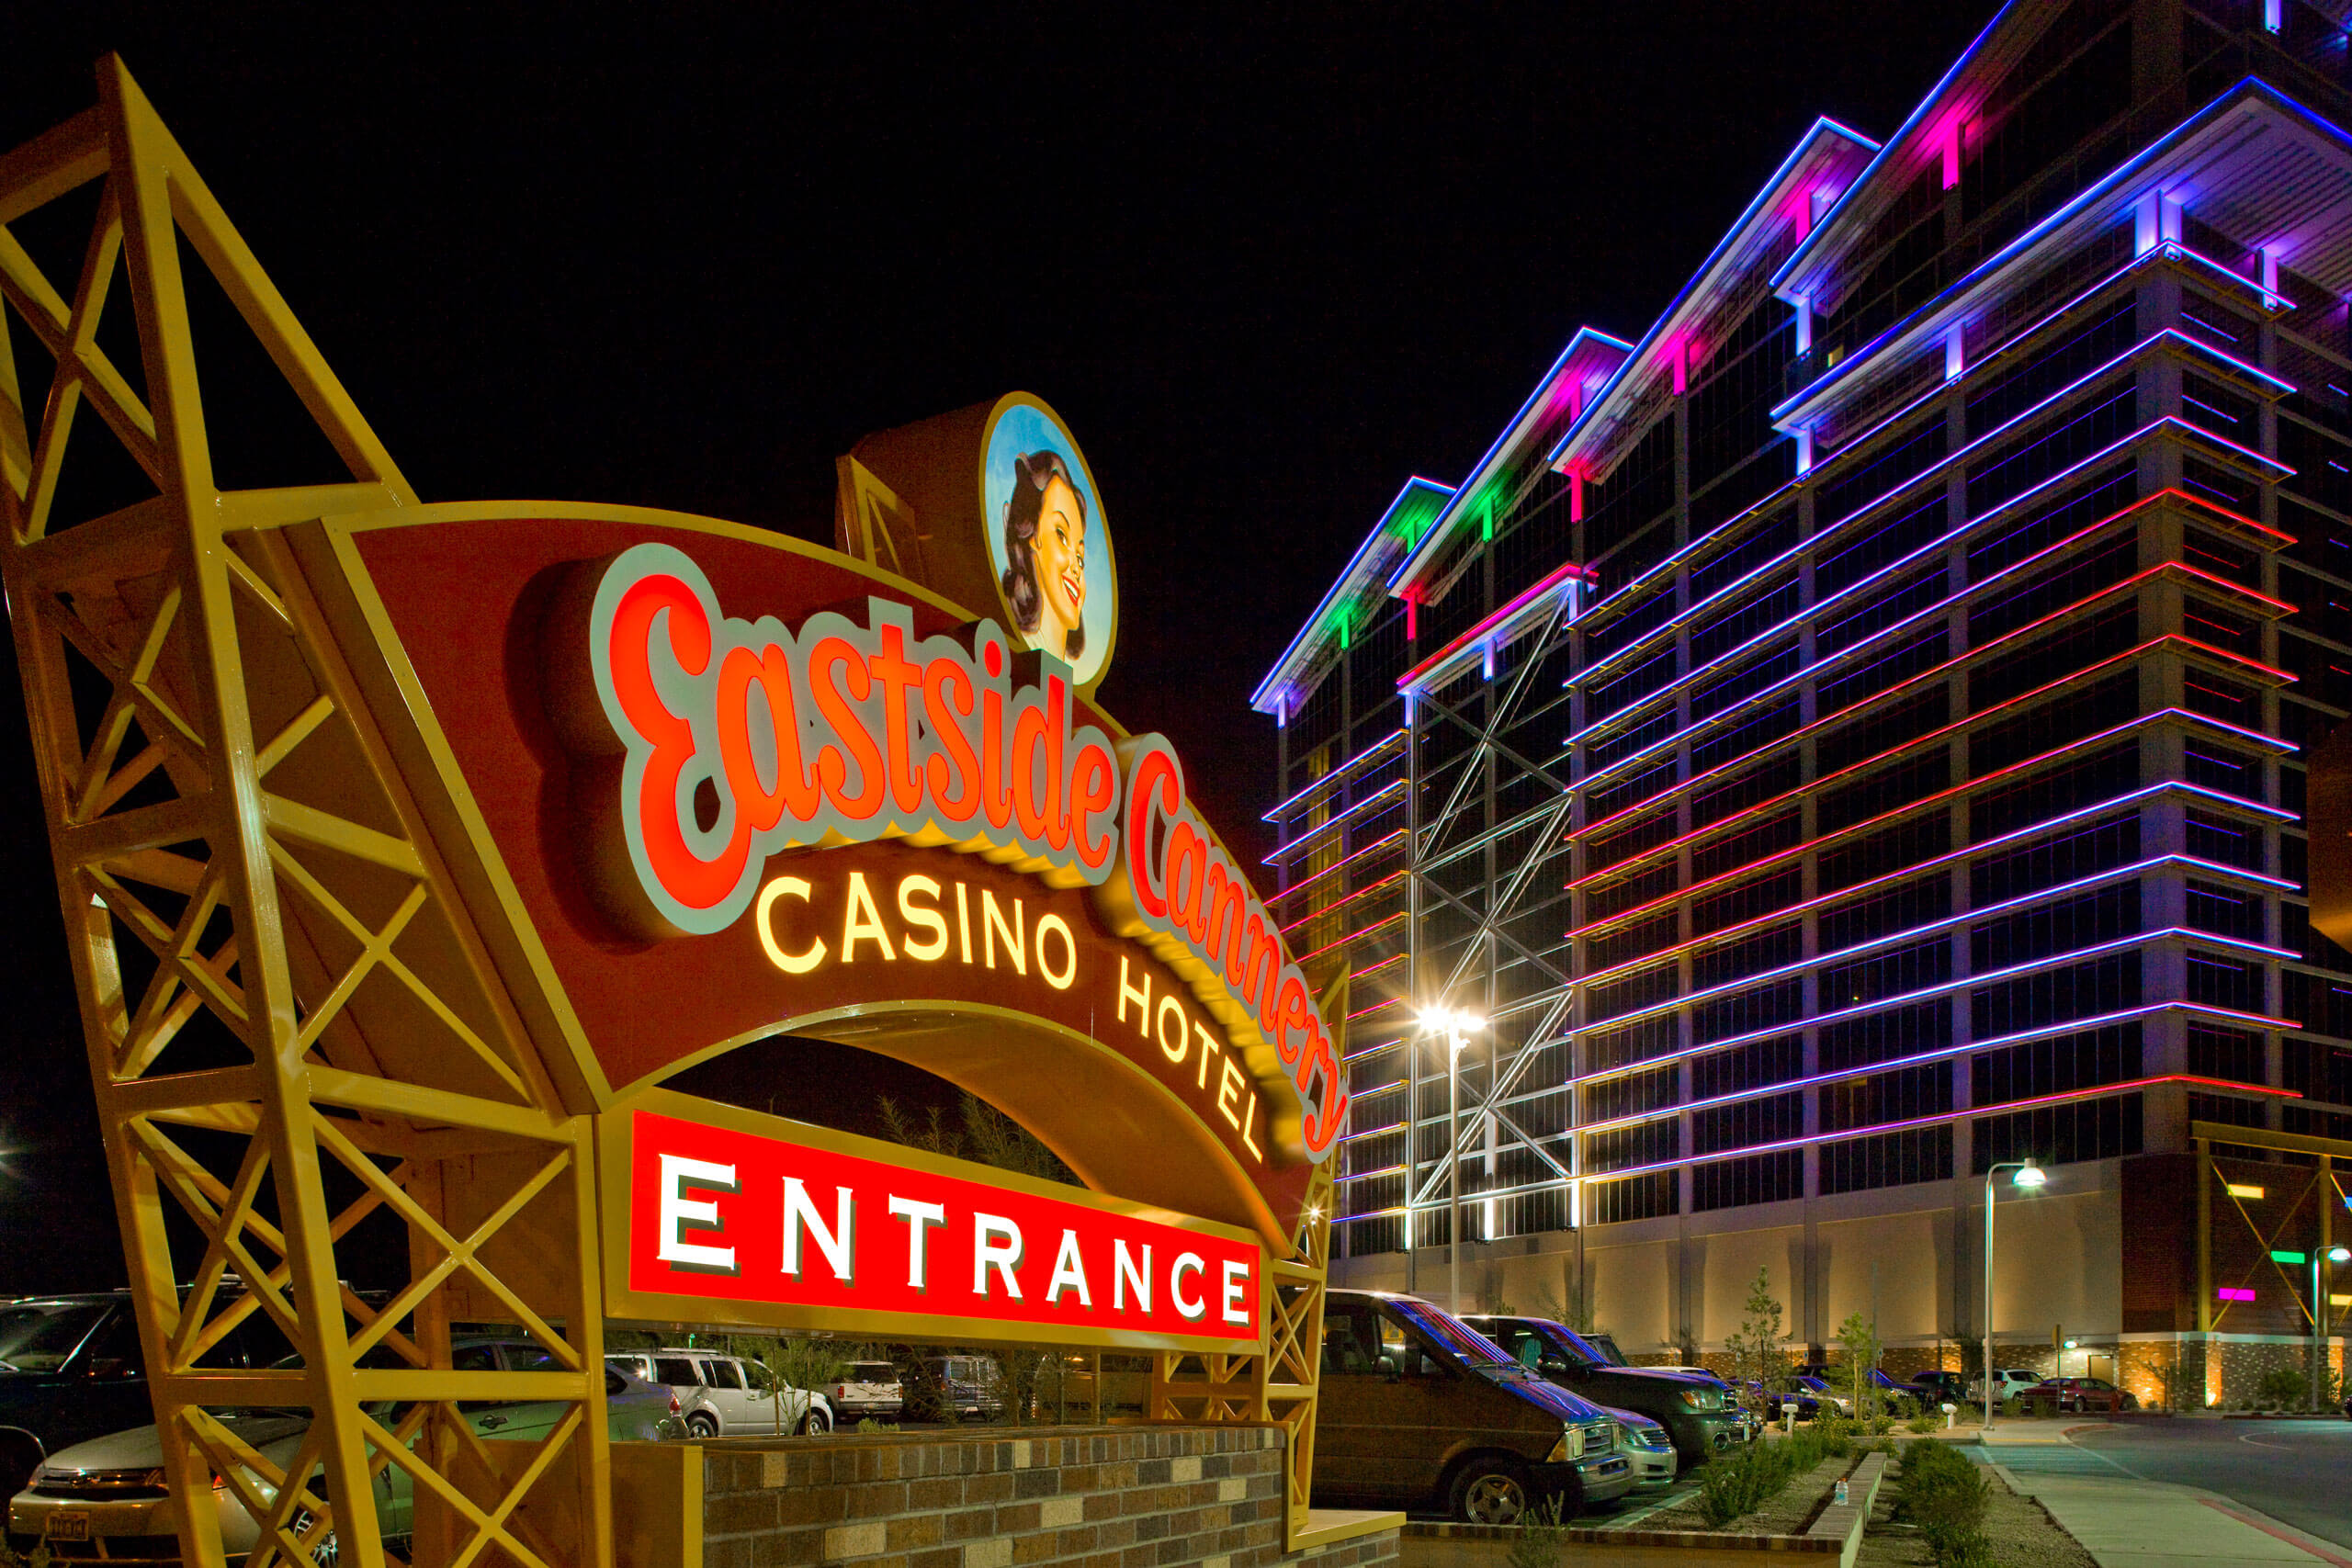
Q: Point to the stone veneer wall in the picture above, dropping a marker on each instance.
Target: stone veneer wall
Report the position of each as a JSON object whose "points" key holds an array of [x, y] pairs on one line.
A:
{"points": [[1101, 1497]]}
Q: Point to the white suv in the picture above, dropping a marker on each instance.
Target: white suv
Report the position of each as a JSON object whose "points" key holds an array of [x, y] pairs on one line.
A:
{"points": [[2008, 1383], [721, 1397]]}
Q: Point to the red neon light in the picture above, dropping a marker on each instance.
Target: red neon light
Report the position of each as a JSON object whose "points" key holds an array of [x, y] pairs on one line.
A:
{"points": [[721, 1216], [1351, 936], [1557, 578], [1332, 908]]}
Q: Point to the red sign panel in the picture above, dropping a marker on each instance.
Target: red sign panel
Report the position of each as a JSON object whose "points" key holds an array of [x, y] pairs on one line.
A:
{"points": [[740, 1217]]}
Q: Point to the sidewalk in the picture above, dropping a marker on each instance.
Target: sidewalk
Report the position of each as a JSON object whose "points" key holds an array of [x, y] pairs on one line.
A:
{"points": [[2126, 1523]]}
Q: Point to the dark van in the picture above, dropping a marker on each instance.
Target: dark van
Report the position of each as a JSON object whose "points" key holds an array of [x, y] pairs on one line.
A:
{"points": [[1418, 1412], [1698, 1411]]}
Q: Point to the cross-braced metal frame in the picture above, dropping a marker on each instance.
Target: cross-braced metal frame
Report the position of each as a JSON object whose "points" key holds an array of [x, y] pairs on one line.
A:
{"points": [[1489, 830], [292, 1028]]}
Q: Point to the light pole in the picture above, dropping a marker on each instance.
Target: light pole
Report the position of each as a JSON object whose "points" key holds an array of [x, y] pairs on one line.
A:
{"points": [[2029, 1176], [2332, 1257], [1457, 1028]]}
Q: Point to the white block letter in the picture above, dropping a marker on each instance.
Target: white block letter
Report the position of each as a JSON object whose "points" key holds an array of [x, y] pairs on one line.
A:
{"points": [[679, 1176], [1186, 1263], [1070, 1273], [1237, 1281], [834, 1243], [1124, 1272], [918, 1216], [995, 1242]]}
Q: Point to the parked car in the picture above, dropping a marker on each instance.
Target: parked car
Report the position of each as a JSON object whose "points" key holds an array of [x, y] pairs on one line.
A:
{"points": [[723, 1396], [71, 1370], [1895, 1395], [1700, 1411], [2008, 1383], [867, 1389], [1420, 1411], [1649, 1446], [968, 1388], [106, 1498], [2053, 1395], [1810, 1396], [1933, 1390]]}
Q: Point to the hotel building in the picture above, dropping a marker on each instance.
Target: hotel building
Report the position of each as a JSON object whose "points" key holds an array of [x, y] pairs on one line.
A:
{"points": [[1846, 736]]}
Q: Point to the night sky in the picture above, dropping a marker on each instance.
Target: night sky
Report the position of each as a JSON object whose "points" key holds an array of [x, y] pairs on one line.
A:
{"points": [[1266, 267]]}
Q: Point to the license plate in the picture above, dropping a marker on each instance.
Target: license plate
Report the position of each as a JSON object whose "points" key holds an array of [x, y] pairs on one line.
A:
{"points": [[67, 1523]]}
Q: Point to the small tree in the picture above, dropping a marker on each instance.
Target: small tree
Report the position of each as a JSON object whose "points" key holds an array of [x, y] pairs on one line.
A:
{"points": [[1756, 1349], [1861, 1346], [806, 1365]]}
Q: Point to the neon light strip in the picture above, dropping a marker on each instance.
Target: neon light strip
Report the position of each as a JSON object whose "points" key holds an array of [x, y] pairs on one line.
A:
{"points": [[2271, 299], [1848, 655], [1906, 998], [1373, 848], [1512, 432], [1355, 935], [2005, 1108], [1562, 580], [1716, 721], [1591, 676], [1893, 1064], [1395, 737], [1640, 356], [2042, 1032], [1601, 976], [1951, 858], [1655, 852], [1922, 320], [1333, 824], [1585, 931], [1262, 698], [1331, 909]]}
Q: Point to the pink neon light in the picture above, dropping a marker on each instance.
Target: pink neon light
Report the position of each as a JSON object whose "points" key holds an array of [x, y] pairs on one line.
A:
{"points": [[2234, 1294], [1355, 935], [1350, 814], [1366, 891], [1384, 841], [1560, 578], [1344, 770], [2005, 1108]]}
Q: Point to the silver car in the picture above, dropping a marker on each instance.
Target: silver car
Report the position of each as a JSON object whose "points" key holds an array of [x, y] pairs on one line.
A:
{"points": [[1647, 1444], [107, 1498], [724, 1397]]}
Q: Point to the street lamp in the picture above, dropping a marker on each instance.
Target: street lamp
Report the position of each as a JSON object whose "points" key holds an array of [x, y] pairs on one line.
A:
{"points": [[2029, 1176], [2334, 1256], [1457, 1028]]}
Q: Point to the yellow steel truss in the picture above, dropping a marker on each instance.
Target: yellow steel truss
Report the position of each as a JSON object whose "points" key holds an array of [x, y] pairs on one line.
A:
{"points": [[291, 1026]]}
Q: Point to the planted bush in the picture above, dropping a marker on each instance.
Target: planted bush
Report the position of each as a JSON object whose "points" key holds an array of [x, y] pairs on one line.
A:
{"points": [[1946, 1495], [2283, 1388], [1541, 1538]]}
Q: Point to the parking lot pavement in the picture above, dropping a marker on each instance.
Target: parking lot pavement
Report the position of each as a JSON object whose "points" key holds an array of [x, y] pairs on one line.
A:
{"points": [[2153, 1493]]}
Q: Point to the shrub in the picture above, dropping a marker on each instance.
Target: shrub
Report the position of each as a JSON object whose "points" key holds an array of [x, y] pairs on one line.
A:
{"points": [[1734, 1487], [1923, 1424], [2014, 1408], [1946, 1495], [1833, 1435], [2282, 1388], [1541, 1538]]}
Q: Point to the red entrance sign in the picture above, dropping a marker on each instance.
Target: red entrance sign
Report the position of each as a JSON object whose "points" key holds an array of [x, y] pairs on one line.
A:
{"points": [[722, 1214]]}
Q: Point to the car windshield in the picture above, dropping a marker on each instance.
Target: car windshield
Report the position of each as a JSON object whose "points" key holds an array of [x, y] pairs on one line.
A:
{"points": [[1577, 1345], [37, 1337], [1468, 1345]]}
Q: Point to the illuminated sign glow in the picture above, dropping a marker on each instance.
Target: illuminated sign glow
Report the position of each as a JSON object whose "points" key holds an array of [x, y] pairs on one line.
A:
{"points": [[721, 1214], [738, 741]]}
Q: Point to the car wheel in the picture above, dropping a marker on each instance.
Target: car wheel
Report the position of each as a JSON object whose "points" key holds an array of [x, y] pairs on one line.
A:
{"points": [[1491, 1492], [814, 1423], [701, 1425]]}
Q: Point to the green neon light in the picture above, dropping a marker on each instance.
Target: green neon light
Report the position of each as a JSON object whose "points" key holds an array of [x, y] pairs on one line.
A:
{"points": [[2288, 1257], [1486, 522], [1343, 631]]}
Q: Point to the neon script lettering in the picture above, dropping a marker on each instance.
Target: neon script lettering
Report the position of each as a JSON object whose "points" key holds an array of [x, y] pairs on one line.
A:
{"points": [[739, 740], [743, 739]]}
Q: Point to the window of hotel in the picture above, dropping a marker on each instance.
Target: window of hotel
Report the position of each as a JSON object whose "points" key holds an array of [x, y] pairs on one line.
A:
{"points": [[2106, 1128], [1748, 901], [1718, 801], [2085, 711], [1638, 1042], [2067, 926], [2237, 1053], [2225, 911], [1634, 1198], [2054, 1065], [2223, 840], [1773, 834], [1747, 1011], [2089, 427], [1886, 851], [1748, 1121], [1758, 1178], [1756, 1065], [2223, 981], [1885, 790], [1899, 1096], [1749, 956], [1895, 972], [1910, 657], [2045, 523], [2079, 990], [1879, 544], [1885, 1036], [1881, 732], [2075, 786], [1889, 1159], [1883, 914], [2085, 852]]}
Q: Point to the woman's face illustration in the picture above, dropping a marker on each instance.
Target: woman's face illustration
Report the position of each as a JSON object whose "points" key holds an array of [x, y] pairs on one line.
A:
{"points": [[1061, 554]]}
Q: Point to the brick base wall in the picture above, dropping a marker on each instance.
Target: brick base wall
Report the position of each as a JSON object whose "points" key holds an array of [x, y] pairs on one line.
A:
{"points": [[1099, 1496]]}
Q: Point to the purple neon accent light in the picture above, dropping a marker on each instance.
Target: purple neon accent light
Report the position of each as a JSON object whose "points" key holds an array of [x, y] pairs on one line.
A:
{"points": [[1330, 824], [2105, 190], [1391, 740], [2235, 1292]]}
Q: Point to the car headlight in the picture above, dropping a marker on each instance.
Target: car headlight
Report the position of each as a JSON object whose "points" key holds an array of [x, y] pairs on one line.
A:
{"points": [[1570, 1447]]}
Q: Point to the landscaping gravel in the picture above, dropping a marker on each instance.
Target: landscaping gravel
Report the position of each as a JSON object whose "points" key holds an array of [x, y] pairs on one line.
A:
{"points": [[2023, 1536]]}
